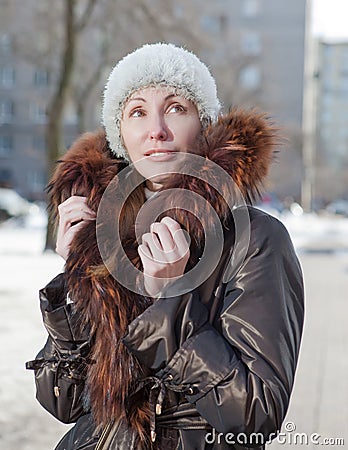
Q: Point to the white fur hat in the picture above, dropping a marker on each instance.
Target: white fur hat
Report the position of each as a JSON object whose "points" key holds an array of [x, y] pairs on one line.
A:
{"points": [[157, 65]]}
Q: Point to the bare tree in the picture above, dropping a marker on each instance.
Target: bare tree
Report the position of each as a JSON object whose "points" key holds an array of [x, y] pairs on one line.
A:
{"points": [[73, 25]]}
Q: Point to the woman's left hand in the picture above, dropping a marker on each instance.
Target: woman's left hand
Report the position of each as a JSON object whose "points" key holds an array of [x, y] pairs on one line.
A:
{"points": [[164, 253]]}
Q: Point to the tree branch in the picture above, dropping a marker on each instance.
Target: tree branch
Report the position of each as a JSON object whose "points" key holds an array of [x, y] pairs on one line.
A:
{"points": [[95, 77], [165, 28], [82, 23]]}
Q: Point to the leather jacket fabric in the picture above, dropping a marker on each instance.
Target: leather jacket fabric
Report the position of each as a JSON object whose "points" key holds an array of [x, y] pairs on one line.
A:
{"points": [[232, 373], [222, 357]]}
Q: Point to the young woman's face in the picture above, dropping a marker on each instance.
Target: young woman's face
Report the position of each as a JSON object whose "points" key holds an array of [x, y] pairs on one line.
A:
{"points": [[156, 127]]}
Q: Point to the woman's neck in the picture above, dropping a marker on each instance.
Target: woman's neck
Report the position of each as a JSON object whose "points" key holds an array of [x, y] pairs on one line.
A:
{"points": [[153, 186]]}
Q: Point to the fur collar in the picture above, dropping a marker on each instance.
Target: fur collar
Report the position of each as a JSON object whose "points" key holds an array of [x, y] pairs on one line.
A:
{"points": [[242, 143]]}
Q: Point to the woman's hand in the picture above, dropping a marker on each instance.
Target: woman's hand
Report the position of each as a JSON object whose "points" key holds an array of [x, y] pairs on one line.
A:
{"points": [[164, 253], [73, 212]]}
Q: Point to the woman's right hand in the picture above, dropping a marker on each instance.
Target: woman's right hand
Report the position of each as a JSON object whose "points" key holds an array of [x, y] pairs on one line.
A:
{"points": [[73, 212]]}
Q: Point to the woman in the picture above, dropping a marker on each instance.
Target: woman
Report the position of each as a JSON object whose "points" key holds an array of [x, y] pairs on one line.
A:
{"points": [[162, 354]]}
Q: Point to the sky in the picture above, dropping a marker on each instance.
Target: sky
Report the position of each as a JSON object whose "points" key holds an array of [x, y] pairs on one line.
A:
{"points": [[330, 18]]}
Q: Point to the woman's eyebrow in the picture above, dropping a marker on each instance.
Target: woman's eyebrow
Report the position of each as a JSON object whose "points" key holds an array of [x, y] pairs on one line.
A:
{"points": [[137, 99]]}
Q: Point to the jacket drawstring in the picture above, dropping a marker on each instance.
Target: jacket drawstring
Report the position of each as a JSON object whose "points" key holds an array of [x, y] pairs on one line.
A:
{"points": [[156, 396], [56, 388], [65, 365]]}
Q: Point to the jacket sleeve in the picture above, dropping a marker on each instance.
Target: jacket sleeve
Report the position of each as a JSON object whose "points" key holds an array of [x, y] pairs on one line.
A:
{"points": [[60, 365], [239, 375]]}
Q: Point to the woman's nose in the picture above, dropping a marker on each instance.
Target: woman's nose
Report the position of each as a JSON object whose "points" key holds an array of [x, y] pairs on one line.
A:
{"points": [[158, 131]]}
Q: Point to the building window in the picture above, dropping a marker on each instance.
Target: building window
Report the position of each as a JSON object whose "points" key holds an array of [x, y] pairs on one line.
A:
{"points": [[6, 145], [251, 8], [38, 113], [5, 43], [7, 77], [6, 111], [5, 177], [250, 77], [251, 43], [41, 78]]}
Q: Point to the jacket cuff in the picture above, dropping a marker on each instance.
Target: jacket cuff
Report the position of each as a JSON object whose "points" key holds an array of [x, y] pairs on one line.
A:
{"points": [[54, 293], [64, 327], [192, 371], [61, 320]]}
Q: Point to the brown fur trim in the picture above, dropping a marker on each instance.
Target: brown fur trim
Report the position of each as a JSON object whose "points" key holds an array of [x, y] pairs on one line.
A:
{"points": [[105, 306], [242, 143], [85, 169]]}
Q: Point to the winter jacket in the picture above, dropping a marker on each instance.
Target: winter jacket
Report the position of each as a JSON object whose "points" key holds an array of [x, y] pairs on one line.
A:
{"points": [[220, 358]]}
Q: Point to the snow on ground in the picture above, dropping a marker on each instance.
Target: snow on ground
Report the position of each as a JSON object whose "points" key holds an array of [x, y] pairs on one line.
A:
{"points": [[315, 233], [24, 269], [24, 425]]}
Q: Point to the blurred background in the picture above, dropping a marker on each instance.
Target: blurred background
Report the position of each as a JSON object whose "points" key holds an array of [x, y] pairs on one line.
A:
{"points": [[289, 59]]}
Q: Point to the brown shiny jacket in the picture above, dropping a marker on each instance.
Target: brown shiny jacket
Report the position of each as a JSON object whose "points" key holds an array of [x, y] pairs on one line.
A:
{"points": [[215, 365]]}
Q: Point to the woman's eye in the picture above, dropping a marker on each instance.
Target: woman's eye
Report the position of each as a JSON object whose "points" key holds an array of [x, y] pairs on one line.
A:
{"points": [[137, 113], [176, 108]]}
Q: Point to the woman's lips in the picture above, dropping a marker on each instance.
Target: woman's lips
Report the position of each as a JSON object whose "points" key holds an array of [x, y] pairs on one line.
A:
{"points": [[161, 154]]}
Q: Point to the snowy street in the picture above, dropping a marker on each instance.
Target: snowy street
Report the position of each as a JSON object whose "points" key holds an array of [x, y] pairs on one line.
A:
{"points": [[320, 400], [24, 425]]}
